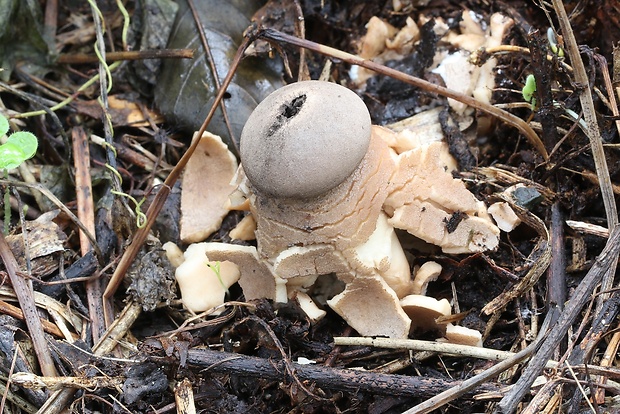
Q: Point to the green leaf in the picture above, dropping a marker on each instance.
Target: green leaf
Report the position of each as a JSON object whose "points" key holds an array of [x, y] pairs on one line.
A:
{"points": [[26, 141], [19, 147], [4, 125], [10, 156]]}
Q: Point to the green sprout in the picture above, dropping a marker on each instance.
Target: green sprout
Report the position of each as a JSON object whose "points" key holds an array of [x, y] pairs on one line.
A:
{"points": [[216, 268], [18, 147], [553, 43], [529, 90]]}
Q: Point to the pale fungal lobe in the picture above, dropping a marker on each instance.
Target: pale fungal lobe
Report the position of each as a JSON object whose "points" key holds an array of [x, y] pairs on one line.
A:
{"points": [[429, 203], [203, 282]]}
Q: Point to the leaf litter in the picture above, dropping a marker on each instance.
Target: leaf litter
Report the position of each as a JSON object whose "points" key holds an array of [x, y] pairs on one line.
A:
{"points": [[141, 350]]}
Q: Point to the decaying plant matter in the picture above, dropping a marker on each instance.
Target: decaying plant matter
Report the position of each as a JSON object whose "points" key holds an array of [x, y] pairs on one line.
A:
{"points": [[400, 242]]}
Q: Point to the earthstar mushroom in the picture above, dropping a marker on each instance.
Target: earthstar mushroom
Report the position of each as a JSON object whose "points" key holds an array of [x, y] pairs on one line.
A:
{"points": [[316, 175], [327, 190]]}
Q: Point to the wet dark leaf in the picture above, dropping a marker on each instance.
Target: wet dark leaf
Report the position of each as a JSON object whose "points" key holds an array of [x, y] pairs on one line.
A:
{"points": [[145, 384], [22, 38], [152, 22], [186, 89]]}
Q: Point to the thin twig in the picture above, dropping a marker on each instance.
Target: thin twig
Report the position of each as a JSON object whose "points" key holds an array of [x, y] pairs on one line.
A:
{"points": [[541, 253], [466, 386], [556, 280], [290, 369], [326, 377], [521, 125], [161, 196], [82, 58], [430, 346], [14, 311]]}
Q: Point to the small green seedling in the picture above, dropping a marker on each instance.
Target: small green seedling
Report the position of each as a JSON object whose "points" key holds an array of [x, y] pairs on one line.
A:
{"points": [[19, 146], [529, 91], [216, 268], [553, 43]]}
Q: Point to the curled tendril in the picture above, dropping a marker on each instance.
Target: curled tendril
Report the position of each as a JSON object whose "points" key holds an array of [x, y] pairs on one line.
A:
{"points": [[140, 216]]}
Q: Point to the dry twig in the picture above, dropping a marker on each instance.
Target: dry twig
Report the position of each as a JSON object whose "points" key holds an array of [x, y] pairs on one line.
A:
{"points": [[330, 378]]}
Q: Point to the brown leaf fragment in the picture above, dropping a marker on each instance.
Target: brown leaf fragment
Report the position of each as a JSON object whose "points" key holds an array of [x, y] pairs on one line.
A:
{"points": [[44, 238], [122, 112]]}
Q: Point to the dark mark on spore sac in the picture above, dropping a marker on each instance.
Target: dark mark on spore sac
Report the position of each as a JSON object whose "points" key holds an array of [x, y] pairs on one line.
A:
{"points": [[287, 111]]}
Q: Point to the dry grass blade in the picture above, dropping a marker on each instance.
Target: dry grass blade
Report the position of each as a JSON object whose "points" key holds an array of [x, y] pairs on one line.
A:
{"points": [[86, 214]]}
